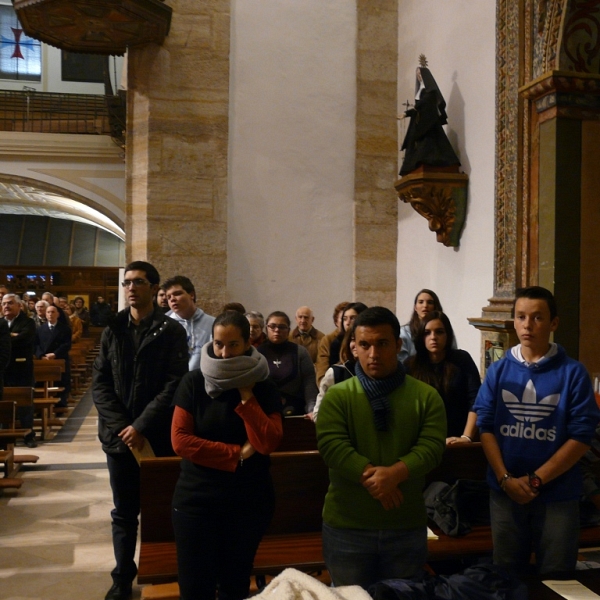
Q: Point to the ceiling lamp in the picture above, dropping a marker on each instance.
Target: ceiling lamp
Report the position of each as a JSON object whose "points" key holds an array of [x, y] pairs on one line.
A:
{"points": [[95, 26]]}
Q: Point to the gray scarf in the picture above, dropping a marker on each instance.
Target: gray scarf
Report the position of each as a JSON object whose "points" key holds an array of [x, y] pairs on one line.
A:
{"points": [[222, 374]]}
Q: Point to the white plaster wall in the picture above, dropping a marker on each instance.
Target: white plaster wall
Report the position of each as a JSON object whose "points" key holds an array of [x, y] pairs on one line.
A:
{"points": [[458, 39], [291, 155]]}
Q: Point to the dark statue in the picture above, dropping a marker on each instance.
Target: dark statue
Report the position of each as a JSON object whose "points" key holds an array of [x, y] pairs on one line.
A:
{"points": [[425, 142]]}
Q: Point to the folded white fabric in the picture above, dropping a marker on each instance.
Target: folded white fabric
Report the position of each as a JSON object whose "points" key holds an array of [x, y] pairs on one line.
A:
{"points": [[295, 585]]}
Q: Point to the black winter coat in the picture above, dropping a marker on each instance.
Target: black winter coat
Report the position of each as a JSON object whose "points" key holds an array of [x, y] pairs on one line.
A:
{"points": [[137, 388]]}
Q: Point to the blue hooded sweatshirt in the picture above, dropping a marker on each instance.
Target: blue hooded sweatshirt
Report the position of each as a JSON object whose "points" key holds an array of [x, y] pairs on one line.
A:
{"points": [[533, 409]]}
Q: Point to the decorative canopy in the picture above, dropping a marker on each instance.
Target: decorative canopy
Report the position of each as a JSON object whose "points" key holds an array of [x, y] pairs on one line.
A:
{"points": [[95, 26]]}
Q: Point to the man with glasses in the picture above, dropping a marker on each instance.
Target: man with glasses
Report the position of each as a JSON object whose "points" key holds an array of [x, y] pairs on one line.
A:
{"points": [[181, 296], [143, 356], [290, 367]]}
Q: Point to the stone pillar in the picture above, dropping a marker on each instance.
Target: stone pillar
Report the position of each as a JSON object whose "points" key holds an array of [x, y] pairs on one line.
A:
{"points": [[376, 204], [177, 133]]}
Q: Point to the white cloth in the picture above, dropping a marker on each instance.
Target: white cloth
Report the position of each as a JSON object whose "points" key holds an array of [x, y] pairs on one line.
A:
{"points": [[295, 585]]}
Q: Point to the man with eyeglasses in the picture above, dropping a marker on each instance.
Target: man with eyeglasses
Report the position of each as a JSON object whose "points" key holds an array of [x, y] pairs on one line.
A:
{"points": [[181, 296], [143, 356]]}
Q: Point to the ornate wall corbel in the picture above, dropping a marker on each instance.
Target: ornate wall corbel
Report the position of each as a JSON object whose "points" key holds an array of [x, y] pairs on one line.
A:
{"points": [[440, 195]]}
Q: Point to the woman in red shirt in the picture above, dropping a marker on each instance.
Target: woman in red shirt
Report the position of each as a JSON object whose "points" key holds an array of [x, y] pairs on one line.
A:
{"points": [[227, 421]]}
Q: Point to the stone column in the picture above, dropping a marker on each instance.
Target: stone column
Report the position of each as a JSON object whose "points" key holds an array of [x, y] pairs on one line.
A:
{"points": [[177, 131], [376, 203]]}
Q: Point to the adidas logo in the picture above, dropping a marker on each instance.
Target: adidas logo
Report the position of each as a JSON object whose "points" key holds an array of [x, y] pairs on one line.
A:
{"points": [[529, 410]]}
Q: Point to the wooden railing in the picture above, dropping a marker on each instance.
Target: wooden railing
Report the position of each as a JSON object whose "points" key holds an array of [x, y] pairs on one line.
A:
{"points": [[44, 112]]}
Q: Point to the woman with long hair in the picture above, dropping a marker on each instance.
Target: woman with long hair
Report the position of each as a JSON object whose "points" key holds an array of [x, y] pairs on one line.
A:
{"points": [[227, 421], [340, 372], [348, 315], [425, 301], [450, 371]]}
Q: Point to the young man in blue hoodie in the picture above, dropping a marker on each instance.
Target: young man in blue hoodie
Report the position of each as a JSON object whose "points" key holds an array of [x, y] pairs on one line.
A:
{"points": [[537, 415]]}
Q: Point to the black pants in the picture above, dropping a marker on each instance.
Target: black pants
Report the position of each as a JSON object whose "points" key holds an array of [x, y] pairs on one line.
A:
{"points": [[125, 483], [216, 545]]}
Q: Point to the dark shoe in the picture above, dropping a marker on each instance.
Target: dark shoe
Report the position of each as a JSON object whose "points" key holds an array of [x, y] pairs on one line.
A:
{"points": [[118, 591], [30, 441]]}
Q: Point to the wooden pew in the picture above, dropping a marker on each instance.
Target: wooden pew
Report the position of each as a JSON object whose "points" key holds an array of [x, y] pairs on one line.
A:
{"points": [[294, 537], [292, 540], [8, 436], [21, 396], [298, 434], [46, 374]]}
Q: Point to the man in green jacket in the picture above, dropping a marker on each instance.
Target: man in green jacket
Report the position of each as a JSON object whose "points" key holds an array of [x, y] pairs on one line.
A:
{"points": [[380, 433]]}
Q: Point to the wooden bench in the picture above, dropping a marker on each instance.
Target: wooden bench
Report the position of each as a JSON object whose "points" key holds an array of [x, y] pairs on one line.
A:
{"points": [[8, 436], [294, 538], [299, 433], [21, 396], [47, 373]]}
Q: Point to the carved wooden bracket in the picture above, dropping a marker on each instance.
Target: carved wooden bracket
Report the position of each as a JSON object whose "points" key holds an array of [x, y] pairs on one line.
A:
{"points": [[440, 195]]}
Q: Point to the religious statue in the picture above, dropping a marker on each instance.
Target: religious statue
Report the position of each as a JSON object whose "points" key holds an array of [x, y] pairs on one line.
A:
{"points": [[426, 142]]}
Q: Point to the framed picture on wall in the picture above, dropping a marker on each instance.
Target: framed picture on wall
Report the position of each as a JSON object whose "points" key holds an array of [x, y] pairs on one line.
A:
{"points": [[86, 299], [86, 68]]}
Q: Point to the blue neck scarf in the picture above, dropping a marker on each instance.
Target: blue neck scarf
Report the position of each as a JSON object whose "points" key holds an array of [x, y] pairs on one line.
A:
{"points": [[377, 391]]}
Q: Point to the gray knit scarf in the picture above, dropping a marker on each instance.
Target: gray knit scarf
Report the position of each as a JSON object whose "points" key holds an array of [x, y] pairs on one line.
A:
{"points": [[222, 374], [377, 391]]}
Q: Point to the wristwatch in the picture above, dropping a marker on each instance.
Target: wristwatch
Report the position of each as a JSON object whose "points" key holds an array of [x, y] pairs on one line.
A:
{"points": [[535, 482], [502, 481]]}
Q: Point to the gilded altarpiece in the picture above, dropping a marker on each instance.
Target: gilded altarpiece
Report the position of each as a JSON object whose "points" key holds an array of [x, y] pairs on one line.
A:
{"points": [[547, 108]]}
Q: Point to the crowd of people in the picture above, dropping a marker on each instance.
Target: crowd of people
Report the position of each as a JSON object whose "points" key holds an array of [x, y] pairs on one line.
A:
{"points": [[44, 328], [386, 401]]}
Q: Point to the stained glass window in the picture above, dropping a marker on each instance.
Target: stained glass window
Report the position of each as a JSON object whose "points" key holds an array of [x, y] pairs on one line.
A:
{"points": [[20, 55]]}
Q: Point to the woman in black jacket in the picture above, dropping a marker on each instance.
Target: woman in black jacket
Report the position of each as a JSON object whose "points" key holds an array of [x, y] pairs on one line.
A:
{"points": [[451, 372]]}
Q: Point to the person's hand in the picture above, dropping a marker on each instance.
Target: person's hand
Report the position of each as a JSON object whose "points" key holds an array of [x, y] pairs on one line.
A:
{"points": [[392, 500], [247, 451], [519, 490], [132, 438], [49, 356], [309, 416], [380, 481], [457, 440], [400, 117], [246, 393]]}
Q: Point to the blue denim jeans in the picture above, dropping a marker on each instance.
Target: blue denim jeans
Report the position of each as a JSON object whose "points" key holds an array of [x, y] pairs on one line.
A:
{"points": [[551, 530], [365, 556]]}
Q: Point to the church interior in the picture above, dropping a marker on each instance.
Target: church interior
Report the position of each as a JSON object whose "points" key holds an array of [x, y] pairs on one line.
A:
{"points": [[255, 147]]}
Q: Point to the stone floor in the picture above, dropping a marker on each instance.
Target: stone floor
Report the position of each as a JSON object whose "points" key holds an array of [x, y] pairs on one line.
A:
{"points": [[55, 538]]}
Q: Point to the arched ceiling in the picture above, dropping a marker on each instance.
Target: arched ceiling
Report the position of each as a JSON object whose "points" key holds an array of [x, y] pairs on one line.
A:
{"points": [[21, 199]]}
